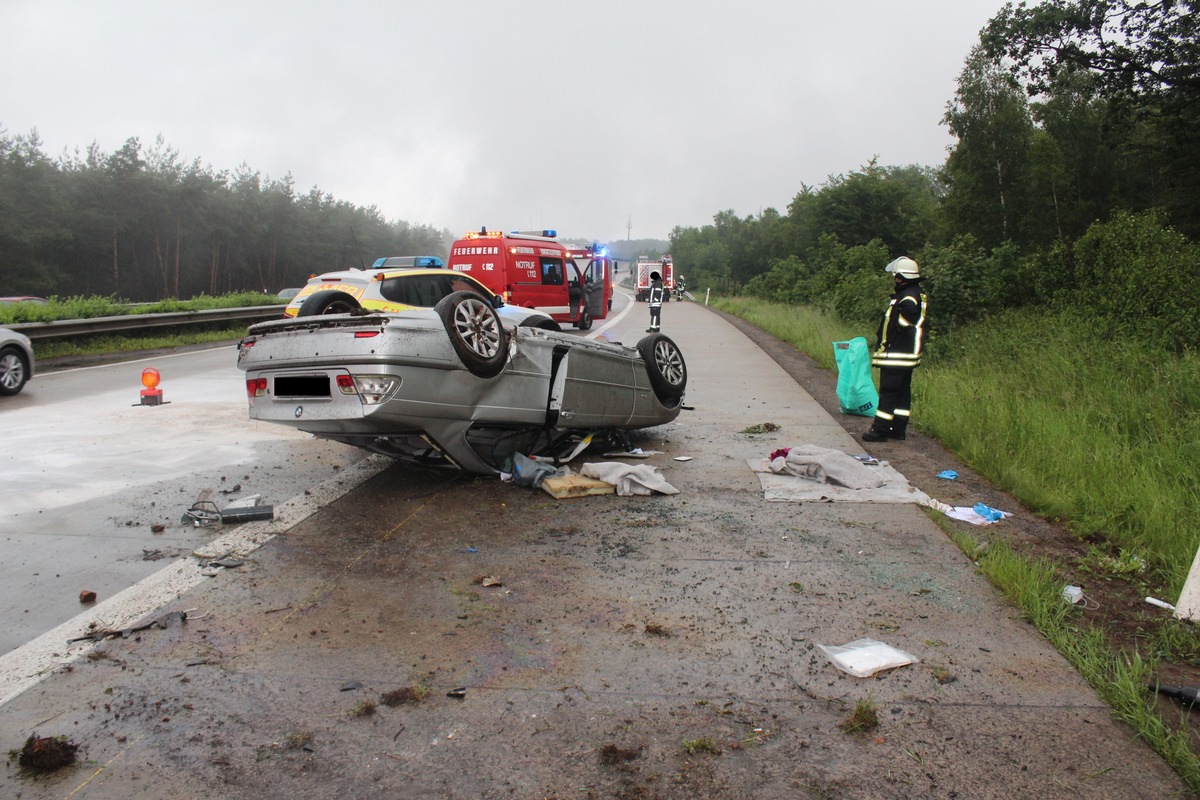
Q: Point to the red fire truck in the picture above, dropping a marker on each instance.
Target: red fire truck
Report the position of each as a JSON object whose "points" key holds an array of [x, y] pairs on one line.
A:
{"points": [[533, 269], [663, 267]]}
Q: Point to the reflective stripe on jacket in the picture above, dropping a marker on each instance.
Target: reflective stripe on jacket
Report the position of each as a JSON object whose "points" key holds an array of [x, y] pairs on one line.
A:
{"points": [[656, 294], [902, 331]]}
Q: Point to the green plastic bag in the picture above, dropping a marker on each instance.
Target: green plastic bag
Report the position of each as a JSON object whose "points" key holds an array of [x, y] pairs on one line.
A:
{"points": [[855, 389]]}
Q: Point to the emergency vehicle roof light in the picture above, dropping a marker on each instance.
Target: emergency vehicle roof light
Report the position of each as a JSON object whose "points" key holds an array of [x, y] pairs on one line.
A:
{"points": [[548, 233], [483, 233]]}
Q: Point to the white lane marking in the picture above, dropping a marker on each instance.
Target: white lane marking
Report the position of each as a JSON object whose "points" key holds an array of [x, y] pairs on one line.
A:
{"points": [[28, 664]]}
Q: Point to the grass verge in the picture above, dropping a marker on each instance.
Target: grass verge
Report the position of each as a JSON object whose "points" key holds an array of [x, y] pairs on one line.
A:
{"points": [[101, 345], [1120, 678]]}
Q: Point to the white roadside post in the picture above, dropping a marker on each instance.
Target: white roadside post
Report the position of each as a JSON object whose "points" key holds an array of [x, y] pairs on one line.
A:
{"points": [[1188, 606]]}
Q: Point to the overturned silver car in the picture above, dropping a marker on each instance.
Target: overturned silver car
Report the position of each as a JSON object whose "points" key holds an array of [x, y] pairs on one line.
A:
{"points": [[451, 384]]}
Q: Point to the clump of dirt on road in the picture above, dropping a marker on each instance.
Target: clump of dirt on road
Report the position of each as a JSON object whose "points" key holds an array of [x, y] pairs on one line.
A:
{"points": [[45, 753], [406, 696], [611, 754]]}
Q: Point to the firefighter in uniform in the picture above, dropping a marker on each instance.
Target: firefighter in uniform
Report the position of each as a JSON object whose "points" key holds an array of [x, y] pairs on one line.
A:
{"points": [[656, 300], [900, 341]]}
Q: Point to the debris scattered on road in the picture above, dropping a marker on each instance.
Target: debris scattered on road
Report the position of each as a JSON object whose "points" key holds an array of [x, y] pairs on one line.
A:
{"points": [[87, 596], [654, 629], [527, 471], [862, 658], [948, 474], [457, 694], [409, 695], [488, 580], [764, 427], [472, 550], [567, 486], [683, 458], [228, 562], [205, 512], [636, 452], [47, 753], [168, 620], [350, 686], [158, 528], [201, 513]]}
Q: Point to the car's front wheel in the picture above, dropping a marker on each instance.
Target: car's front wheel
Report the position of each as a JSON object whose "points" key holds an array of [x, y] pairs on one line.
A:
{"points": [[14, 372], [475, 332], [585, 321], [665, 367], [330, 301]]}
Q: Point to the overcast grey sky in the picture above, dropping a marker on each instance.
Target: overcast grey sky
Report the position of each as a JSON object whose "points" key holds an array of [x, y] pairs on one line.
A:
{"points": [[578, 115]]}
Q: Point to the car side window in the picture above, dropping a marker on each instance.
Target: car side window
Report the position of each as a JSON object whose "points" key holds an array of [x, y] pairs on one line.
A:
{"points": [[552, 272], [414, 290]]}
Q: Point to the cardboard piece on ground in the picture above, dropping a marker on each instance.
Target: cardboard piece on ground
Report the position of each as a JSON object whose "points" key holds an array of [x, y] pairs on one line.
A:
{"points": [[575, 486]]}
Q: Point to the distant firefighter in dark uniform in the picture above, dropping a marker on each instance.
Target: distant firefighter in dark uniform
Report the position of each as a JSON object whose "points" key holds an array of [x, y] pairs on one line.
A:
{"points": [[899, 343], [656, 300]]}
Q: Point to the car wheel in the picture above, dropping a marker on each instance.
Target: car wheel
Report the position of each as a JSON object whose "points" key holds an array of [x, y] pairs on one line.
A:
{"points": [[14, 372], [585, 321], [665, 366], [545, 323], [330, 301], [475, 332]]}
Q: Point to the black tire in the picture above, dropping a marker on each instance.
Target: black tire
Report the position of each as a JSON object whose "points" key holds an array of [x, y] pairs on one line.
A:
{"points": [[545, 323], [475, 332], [330, 301], [14, 371], [665, 367], [585, 321]]}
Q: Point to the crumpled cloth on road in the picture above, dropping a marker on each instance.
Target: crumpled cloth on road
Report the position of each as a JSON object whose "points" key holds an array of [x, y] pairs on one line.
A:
{"points": [[826, 465], [630, 479]]}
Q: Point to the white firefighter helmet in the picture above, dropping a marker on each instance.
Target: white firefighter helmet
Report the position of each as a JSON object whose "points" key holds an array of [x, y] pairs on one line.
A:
{"points": [[905, 267]]}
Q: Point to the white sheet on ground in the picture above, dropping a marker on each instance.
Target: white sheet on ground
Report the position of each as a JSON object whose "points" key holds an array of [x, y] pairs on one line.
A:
{"points": [[785, 486], [826, 465]]}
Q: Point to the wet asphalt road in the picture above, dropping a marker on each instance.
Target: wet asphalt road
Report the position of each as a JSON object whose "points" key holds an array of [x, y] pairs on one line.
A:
{"points": [[438, 636]]}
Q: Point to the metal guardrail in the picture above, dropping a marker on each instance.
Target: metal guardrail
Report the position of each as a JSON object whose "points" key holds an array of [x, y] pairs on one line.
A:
{"points": [[63, 328]]}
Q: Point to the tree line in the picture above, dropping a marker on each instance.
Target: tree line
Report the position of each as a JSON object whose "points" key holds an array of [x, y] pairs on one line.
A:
{"points": [[1073, 180], [142, 224]]}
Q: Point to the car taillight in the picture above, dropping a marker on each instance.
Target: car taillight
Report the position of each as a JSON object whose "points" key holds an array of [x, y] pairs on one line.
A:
{"points": [[365, 334], [256, 387], [346, 384], [372, 389]]}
